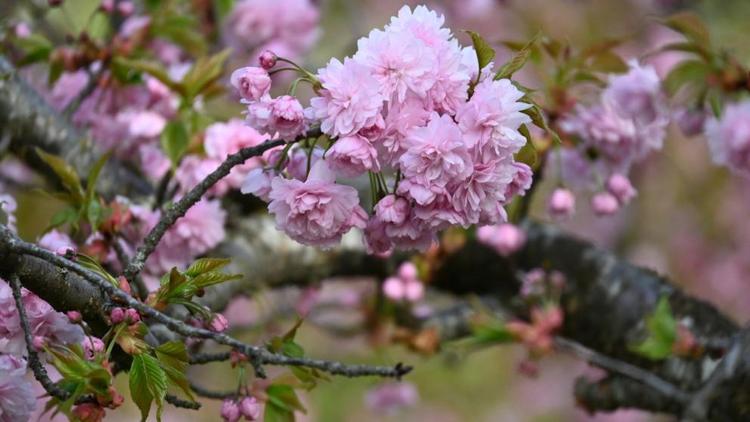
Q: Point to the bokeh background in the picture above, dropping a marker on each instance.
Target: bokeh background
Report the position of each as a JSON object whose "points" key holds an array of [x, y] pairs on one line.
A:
{"points": [[690, 221]]}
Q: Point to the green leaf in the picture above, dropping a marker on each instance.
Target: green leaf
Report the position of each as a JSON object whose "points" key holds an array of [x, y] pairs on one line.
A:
{"points": [[608, 62], [125, 66], [691, 26], [213, 277], [518, 60], [527, 154], [205, 71], [537, 117], [203, 265], [284, 397], [182, 30], [485, 53], [148, 383], [276, 413], [67, 175], [174, 141], [93, 265], [173, 358], [689, 72], [36, 48], [491, 334], [662, 332], [93, 175]]}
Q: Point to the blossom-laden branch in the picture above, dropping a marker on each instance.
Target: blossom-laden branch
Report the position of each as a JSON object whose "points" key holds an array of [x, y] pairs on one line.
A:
{"points": [[258, 355]]}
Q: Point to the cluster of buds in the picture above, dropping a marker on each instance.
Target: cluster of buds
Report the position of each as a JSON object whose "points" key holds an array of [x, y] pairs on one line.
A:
{"points": [[247, 407], [537, 335], [129, 316]]}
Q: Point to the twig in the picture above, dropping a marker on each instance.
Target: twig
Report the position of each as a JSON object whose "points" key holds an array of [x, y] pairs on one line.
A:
{"points": [[203, 358], [622, 368], [178, 402], [258, 356], [211, 394], [700, 401], [40, 372], [195, 194], [140, 287]]}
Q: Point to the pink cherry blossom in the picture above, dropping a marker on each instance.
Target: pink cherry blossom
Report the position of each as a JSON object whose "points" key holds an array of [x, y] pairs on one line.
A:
{"points": [[562, 203], [17, 397], [253, 24], [506, 239], [390, 397], [435, 155], [287, 117], [57, 242], [620, 186], [352, 155], [350, 99], [252, 83], [230, 411], [318, 211], [398, 61], [491, 118], [50, 326], [258, 183], [250, 408], [729, 138]]}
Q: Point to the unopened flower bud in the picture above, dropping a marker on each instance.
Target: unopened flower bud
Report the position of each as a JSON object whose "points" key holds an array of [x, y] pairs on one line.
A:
{"points": [[267, 59]]}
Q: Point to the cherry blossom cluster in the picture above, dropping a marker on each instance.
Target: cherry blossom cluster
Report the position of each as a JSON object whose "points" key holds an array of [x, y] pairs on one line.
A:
{"points": [[399, 110], [627, 123]]}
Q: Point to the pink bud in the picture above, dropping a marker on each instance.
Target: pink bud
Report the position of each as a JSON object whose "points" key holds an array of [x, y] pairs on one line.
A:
{"points": [[413, 290], [88, 412], [393, 288], [253, 83], [230, 411], [267, 59], [132, 316], [117, 315], [107, 6], [38, 342], [407, 271], [562, 203], [250, 408], [287, 117], [125, 8], [74, 316], [619, 186], [604, 203], [509, 239], [92, 346], [218, 323]]}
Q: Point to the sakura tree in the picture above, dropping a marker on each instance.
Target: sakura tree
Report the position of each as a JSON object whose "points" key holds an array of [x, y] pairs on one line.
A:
{"points": [[190, 157]]}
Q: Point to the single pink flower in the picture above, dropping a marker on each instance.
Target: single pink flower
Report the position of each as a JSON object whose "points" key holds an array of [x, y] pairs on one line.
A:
{"points": [[253, 83], [352, 155], [318, 211], [350, 99], [287, 117]]}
